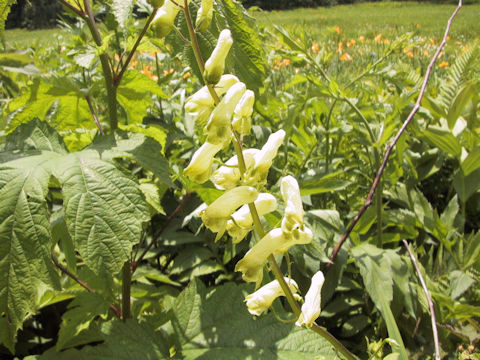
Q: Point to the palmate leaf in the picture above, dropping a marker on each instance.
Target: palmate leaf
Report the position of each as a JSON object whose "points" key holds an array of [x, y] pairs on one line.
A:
{"points": [[104, 209], [218, 326], [122, 341], [25, 239]]}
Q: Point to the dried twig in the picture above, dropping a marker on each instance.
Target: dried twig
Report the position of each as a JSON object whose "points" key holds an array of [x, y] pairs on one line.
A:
{"points": [[95, 117], [429, 300], [391, 145], [83, 284]]}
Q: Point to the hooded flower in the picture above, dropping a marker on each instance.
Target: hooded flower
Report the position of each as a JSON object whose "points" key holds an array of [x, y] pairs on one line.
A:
{"points": [[216, 215], [215, 65], [200, 168], [242, 118], [261, 300], [204, 15], [218, 128], [242, 221], [201, 104], [257, 176], [311, 306], [292, 222], [228, 175], [163, 21]]}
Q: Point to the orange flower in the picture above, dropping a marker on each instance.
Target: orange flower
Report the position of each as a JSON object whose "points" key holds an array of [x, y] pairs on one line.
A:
{"points": [[351, 43], [465, 48], [447, 38], [443, 64], [417, 26], [361, 38], [426, 53], [315, 48], [338, 30], [346, 57], [378, 37], [340, 47], [410, 54], [386, 41], [186, 75], [168, 72]]}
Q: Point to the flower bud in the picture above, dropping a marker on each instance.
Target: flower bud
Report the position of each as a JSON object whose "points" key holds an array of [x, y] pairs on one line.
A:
{"points": [[200, 168], [156, 3], [204, 15], [201, 104], [218, 128], [263, 159], [261, 300], [242, 221], [242, 118], [311, 306], [215, 65], [163, 21], [228, 176], [216, 215]]}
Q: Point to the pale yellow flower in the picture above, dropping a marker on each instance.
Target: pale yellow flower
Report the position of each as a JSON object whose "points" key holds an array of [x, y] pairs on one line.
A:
{"points": [[215, 65], [242, 116], [218, 128], [200, 168], [204, 15], [216, 215], [261, 300], [201, 104], [228, 176], [242, 222], [311, 306], [163, 21]]}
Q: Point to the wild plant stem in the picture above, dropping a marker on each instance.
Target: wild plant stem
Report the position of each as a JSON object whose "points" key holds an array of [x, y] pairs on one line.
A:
{"points": [[126, 287], [106, 68], [118, 78]]}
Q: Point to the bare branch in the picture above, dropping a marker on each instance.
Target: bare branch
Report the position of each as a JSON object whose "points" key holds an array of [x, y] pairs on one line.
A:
{"points": [[390, 146], [429, 300], [77, 11]]}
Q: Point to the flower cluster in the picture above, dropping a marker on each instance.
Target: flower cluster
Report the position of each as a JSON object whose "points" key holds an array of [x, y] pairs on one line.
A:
{"points": [[224, 107]]}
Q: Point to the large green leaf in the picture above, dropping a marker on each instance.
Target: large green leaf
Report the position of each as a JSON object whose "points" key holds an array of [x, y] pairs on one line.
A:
{"points": [[122, 341], [377, 272], [25, 240], [135, 95], [35, 135], [139, 147], [310, 185], [444, 140], [104, 209], [247, 49], [218, 326], [471, 162]]}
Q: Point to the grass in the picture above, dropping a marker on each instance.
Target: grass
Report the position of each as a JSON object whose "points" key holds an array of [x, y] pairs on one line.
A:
{"points": [[387, 18], [21, 38], [368, 19]]}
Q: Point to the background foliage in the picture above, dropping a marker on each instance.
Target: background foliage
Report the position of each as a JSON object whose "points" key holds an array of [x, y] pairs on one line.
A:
{"points": [[74, 199]]}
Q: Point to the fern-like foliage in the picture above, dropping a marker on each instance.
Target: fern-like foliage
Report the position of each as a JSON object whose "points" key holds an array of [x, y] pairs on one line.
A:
{"points": [[457, 76]]}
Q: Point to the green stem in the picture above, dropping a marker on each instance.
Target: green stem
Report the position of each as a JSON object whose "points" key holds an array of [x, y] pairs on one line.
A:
{"points": [[106, 68], [118, 78], [126, 287], [256, 219]]}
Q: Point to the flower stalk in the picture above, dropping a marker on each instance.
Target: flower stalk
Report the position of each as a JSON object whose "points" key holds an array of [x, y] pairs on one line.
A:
{"points": [[253, 210]]}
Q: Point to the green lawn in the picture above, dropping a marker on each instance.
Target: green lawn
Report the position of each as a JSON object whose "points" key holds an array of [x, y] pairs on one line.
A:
{"points": [[21, 38], [387, 18], [368, 19]]}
